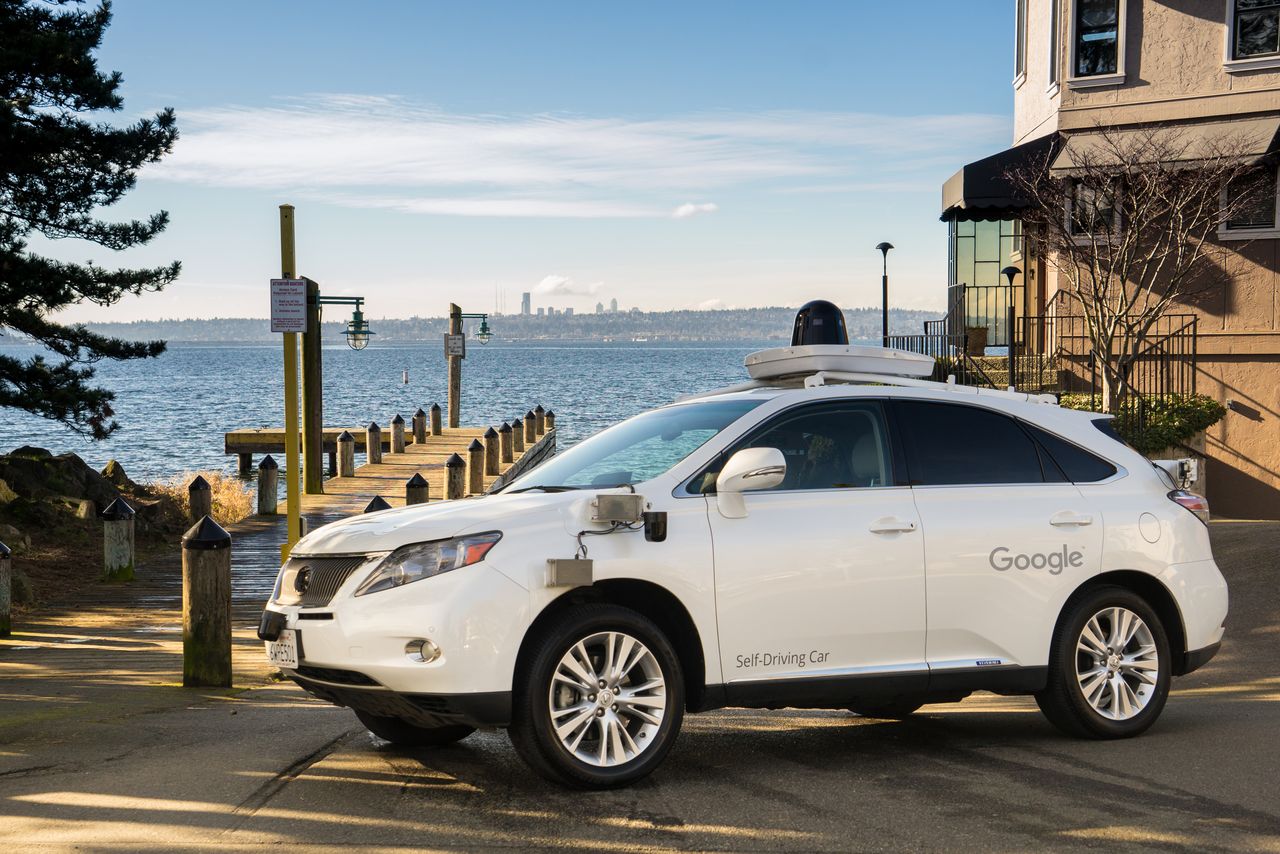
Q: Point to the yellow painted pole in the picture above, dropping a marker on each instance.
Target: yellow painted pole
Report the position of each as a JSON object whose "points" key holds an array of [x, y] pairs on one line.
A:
{"points": [[289, 270]]}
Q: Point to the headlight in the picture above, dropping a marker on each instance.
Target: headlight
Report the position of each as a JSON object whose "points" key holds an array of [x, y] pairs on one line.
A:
{"points": [[424, 560]]}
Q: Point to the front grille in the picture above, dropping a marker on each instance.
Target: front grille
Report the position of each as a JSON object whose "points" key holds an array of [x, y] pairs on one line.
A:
{"points": [[336, 676], [324, 576]]}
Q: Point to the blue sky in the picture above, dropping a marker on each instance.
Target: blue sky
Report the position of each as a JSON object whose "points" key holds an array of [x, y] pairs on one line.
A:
{"points": [[669, 155]]}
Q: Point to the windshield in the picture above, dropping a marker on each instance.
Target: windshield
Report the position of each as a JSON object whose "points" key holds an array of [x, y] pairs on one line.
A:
{"points": [[637, 449]]}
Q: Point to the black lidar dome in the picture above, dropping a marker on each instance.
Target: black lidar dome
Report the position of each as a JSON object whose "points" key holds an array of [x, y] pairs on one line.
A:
{"points": [[819, 322]]}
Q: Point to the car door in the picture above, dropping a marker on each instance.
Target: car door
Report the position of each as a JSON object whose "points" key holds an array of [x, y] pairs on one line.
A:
{"points": [[1005, 545], [824, 575]]}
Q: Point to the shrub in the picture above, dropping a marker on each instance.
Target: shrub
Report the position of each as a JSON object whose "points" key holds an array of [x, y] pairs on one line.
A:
{"points": [[232, 500], [1152, 424]]}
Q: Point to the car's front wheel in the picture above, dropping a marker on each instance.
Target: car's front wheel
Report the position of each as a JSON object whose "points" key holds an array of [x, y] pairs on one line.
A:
{"points": [[1109, 667], [405, 734], [601, 699]]}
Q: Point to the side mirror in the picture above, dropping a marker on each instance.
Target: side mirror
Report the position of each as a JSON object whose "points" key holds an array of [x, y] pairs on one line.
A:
{"points": [[748, 470]]}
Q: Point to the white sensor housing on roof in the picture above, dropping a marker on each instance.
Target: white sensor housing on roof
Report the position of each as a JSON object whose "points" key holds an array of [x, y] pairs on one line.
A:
{"points": [[845, 358]]}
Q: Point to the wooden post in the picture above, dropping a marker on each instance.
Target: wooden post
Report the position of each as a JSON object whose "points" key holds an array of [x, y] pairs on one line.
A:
{"points": [[206, 606], [517, 434], [419, 426], [416, 490], [455, 475], [551, 420], [504, 442], [117, 541], [492, 451], [346, 454], [530, 428], [436, 429], [246, 464], [373, 443], [312, 399], [6, 591], [397, 434], [268, 476], [199, 499], [333, 463], [292, 463], [378, 503], [540, 419], [455, 369], [475, 467]]}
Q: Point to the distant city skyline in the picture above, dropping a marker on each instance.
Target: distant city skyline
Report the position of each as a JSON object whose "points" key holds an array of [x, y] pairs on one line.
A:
{"points": [[753, 155]]}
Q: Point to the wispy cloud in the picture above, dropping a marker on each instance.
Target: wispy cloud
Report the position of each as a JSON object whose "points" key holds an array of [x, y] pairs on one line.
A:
{"points": [[385, 152], [563, 285], [689, 209]]}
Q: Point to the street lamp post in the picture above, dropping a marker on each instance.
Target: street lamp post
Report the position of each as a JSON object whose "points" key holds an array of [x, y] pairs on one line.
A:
{"points": [[454, 354], [884, 248], [1010, 273]]}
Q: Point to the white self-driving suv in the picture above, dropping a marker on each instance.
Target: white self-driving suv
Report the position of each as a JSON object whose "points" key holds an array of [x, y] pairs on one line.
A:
{"points": [[832, 540]]}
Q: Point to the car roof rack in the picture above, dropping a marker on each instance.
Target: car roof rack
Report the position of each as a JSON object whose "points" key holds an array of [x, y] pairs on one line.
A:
{"points": [[823, 378]]}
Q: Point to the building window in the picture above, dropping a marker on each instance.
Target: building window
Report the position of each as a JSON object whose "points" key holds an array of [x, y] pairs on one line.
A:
{"points": [[1091, 210], [1053, 43], [1020, 42], [1255, 28], [1255, 201], [1097, 37]]}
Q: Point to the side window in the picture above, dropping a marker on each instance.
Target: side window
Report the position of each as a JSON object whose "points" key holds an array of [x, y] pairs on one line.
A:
{"points": [[949, 444], [827, 446], [1076, 463]]}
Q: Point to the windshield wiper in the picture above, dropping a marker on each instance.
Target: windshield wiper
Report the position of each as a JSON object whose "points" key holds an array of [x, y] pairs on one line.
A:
{"points": [[543, 488]]}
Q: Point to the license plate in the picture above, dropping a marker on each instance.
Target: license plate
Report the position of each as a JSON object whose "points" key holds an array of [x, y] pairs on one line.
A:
{"points": [[283, 652]]}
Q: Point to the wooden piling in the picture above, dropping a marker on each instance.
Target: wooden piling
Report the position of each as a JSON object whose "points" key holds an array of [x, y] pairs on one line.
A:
{"points": [[551, 420], [530, 428], [419, 426], [117, 541], [206, 606], [436, 428], [246, 464], [373, 443], [199, 499], [6, 591], [540, 419], [268, 480], [492, 452], [378, 503], [397, 434], [416, 490], [333, 466], [475, 467], [504, 442], [517, 434], [346, 454], [455, 475]]}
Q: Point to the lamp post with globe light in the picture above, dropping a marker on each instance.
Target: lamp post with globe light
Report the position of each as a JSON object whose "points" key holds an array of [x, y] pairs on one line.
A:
{"points": [[884, 248]]}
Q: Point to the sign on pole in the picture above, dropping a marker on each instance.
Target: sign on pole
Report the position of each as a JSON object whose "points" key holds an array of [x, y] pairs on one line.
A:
{"points": [[288, 305], [455, 345]]}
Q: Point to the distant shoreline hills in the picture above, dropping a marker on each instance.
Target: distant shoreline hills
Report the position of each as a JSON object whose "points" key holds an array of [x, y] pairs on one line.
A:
{"points": [[743, 324]]}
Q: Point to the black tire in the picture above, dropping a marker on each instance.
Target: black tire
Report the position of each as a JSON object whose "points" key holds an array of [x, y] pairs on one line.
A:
{"points": [[894, 710], [1063, 700], [401, 732], [531, 729]]}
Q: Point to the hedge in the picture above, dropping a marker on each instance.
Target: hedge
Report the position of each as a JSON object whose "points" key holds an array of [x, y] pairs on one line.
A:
{"points": [[1165, 421]]}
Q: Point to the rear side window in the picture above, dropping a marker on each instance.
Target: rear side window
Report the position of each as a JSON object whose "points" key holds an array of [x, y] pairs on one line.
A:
{"points": [[950, 444], [1076, 463]]}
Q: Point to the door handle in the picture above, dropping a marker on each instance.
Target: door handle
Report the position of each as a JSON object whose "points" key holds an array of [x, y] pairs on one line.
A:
{"points": [[1067, 519], [891, 525]]}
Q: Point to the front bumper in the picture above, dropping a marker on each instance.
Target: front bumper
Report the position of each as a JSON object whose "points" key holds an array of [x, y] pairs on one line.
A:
{"points": [[492, 709]]}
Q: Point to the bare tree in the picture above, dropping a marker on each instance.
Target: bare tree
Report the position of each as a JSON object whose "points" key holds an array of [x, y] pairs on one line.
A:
{"points": [[1130, 224]]}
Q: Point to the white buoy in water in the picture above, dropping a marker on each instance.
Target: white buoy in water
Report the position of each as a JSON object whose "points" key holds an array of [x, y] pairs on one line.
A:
{"points": [[405, 378]]}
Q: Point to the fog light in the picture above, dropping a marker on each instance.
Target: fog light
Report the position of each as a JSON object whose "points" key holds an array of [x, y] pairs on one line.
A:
{"points": [[422, 651]]}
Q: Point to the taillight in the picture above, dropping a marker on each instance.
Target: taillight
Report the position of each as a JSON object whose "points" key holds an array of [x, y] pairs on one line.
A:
{"points": [[1197, 504]]}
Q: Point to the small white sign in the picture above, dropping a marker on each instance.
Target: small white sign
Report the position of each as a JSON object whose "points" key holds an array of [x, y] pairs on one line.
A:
{"points": [[288, 305], [455, 345]]}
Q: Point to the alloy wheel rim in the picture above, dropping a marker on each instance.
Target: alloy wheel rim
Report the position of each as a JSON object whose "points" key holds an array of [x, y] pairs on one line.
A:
{"points": [[1117, 663], [607, 699]]}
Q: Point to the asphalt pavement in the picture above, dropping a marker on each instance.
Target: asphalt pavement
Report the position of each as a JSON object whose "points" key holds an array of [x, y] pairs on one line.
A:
{"points": [[270, 766]]}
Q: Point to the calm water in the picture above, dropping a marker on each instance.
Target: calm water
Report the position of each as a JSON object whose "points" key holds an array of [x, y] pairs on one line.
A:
{"points": [[173, 410]]}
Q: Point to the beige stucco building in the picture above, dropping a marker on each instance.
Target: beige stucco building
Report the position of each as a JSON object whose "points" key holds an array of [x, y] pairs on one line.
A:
{"points": [[1212, 66]]}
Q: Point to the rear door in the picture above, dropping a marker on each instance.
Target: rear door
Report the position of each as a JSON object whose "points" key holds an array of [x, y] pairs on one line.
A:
{"points": [[1006, 539]]}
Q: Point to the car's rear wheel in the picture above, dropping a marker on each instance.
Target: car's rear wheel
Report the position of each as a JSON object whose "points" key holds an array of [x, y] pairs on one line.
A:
{"points": [[893, 710], [1109, 667], [400, 732], [601, 700]]}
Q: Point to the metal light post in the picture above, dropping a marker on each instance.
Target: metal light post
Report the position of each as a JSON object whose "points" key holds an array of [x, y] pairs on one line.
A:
{"points": [[1010, 273], [884, 248]]}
